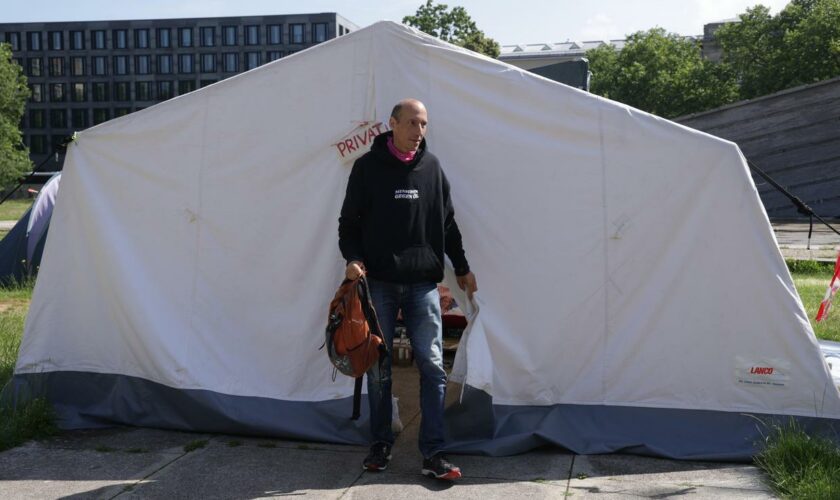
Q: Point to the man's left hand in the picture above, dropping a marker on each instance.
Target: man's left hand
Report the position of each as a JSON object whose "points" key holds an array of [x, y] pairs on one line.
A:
{"points": [[467, 283]]}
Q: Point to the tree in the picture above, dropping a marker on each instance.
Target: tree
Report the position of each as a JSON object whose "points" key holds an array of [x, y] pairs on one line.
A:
{"points": [[454, 26], [800, 45], [14, 157], [662, 73]]}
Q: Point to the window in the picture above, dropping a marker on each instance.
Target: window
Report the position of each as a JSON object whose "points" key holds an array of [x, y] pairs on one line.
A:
{"points": [[56, 66], [120, 65], [252, 35], [275, 34], [77, 40], [164, 64], [37, 118], [79, 92], [209, 81], [208, 63], [98, 38], [252, 60], [228, 35], [100, 91], [57, 93], [13, 39], [100, 115], [99, 68], [185, 37], [165, 90], [319, 32], [185, 63], [38, 144], [80, 118], [120, 39], [122, 92], [141, 38], [142, 65], [340, 30], [58, 118], [143, 91], [230, 60], [37, 92], [55, 38], [185, 86], [273, 55], [208, 36], [36, 67], [33, 40], [58, 140], [296, 33], [118, 112], [164, 38], [77, 66]]}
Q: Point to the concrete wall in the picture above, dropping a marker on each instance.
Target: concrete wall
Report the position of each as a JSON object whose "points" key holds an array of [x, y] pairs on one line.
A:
{"points": [[794, 136]]}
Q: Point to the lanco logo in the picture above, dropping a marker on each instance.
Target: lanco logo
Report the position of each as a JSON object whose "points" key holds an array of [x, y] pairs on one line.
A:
{"points": [[761, 370]]}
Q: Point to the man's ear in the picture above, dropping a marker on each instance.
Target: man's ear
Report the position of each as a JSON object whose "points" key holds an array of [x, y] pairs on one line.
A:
{"points": [[391, 122]]}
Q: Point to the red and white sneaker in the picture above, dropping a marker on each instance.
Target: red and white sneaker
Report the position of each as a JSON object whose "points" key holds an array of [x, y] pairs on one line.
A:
{"points": [[439, 467]]}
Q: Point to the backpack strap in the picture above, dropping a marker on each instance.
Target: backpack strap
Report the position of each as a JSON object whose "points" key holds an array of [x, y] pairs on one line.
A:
{"points": [[357, 398]]}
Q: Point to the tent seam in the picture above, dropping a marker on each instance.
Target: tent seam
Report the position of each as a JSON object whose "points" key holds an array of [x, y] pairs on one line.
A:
{"points": [[199, 213], [606, 253]]}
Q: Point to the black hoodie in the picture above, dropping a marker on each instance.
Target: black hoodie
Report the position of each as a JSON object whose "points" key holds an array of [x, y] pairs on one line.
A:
{"points": [[397, 218]]}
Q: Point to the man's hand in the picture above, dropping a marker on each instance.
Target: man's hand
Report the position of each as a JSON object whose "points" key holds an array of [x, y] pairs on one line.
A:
{"points": [[354, 270], [467, 283]]}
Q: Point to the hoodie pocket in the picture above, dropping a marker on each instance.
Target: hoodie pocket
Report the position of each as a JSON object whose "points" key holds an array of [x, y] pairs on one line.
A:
{"points": [[418, 261]]}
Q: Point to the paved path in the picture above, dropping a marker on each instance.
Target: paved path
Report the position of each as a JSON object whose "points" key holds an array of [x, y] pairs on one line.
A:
{"points": [[793, 240], [131, 463]]}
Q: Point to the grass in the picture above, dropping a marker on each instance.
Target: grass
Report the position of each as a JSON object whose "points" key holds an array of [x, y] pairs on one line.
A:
{"points": [[800, 466], [811, 279], [13, 209], [32, 420], [195, 445]]}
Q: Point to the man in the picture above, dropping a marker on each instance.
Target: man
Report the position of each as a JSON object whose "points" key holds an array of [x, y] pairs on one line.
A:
{"points": [[395, 225]]}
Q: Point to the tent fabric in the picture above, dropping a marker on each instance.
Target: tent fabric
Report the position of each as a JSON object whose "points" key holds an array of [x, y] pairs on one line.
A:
{"points": [[623, 261]]}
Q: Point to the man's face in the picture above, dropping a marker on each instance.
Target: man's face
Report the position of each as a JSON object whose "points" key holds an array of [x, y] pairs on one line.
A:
{"points": [[410, 129]]}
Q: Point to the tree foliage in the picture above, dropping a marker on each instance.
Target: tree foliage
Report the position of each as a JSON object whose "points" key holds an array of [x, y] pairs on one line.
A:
{"points": [[800, 45], [454, 26], [14, 158], [662, 73]]}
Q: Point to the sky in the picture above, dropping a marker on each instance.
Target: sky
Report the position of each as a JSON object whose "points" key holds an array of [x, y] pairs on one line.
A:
{"points": [[508, 22]]}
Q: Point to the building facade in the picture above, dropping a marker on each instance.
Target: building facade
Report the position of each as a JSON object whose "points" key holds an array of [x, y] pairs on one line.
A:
{"points": [[84, 73]]}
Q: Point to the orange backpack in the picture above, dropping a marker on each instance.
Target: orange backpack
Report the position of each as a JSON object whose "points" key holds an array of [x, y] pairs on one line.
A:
{"points": [[354, 340]]}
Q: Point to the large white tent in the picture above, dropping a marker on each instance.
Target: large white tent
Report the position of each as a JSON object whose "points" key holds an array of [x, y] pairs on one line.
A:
{"points": [[631, 293]]}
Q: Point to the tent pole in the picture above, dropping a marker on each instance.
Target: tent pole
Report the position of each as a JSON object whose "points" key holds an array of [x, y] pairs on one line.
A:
{"points": [[800, 205]]}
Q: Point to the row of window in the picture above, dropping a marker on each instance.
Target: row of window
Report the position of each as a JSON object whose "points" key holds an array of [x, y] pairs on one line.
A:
{"points": [[117, 91], [164, 64], [39, 145], [78, 118], [185, 37]]}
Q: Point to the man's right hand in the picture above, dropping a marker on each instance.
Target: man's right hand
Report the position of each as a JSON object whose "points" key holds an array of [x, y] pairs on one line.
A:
{"points": [[354, 270]]}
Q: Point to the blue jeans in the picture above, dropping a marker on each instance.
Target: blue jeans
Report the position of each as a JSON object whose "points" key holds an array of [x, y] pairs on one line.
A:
{"points": [[420, 304]]}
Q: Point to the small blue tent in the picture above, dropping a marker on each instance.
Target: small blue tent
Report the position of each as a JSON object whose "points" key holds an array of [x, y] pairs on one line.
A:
{"points": [[21, 249]]}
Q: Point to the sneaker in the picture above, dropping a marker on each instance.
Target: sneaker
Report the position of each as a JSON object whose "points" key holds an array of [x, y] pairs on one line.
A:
{"points": [[439, 467], [378, 458]]}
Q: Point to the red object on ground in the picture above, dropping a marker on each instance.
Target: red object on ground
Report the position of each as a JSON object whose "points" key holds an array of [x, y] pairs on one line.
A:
{"points": [[825, 305]]}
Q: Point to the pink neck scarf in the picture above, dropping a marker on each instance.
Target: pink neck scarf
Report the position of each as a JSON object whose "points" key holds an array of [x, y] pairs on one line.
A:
{"points": [[403, 157]]}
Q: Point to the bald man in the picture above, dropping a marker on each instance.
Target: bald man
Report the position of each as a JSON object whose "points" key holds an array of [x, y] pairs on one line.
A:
{"points": [[396, 224]]}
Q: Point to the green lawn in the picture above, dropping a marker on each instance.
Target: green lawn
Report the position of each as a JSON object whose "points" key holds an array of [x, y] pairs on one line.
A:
{"points": [[13, 209], [811, 280]]}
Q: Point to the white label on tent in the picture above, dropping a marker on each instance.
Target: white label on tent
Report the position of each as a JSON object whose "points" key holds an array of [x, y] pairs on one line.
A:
{"points": [[762, 372], [358, 141]]}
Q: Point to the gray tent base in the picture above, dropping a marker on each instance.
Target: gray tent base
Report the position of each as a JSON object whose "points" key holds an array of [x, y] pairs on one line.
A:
{"points": [[475, 425], [596, 429], [84, 400]]}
